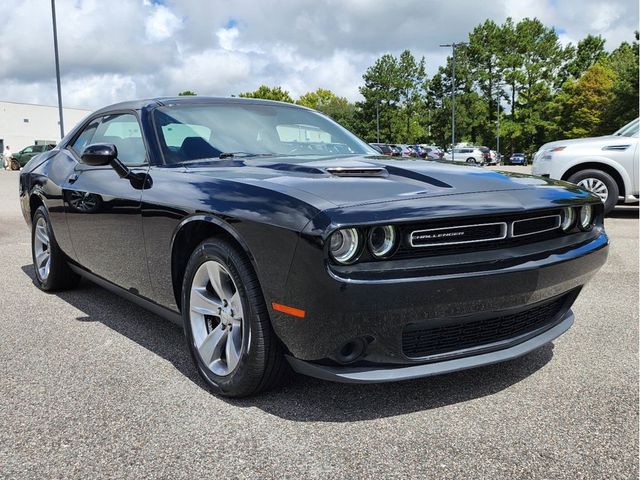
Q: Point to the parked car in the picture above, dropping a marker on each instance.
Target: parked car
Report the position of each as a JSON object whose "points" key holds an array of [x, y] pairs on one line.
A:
{"points": [[470, 155], [518, 159], [607, 166], [432, 152], [491, 157], [21, 158], [236, 219], [402, 150], [383, 148], [397, 150]]}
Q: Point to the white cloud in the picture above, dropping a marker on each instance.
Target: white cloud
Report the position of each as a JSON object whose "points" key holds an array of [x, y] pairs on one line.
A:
{"points": [[162, 23], [226, 36], [113, 51]]}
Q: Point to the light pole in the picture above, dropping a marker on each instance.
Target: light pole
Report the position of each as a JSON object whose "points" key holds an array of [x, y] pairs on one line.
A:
{"points": [[498, 131], [499, 85], [55, 50], [453, 93], [377, 120]]}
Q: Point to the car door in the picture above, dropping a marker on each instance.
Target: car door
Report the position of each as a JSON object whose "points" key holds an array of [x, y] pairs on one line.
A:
{"points": [[103, 211]]}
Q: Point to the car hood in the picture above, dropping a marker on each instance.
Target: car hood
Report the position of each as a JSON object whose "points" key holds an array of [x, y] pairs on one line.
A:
{"points": [[354, 180], [587, 141]]}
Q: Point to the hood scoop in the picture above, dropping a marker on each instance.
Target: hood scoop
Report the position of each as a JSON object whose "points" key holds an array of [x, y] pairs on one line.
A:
{"points": [[357, 171]]}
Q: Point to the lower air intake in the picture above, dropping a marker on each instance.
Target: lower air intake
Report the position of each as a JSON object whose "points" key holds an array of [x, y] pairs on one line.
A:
{"points": [[421, 340]]}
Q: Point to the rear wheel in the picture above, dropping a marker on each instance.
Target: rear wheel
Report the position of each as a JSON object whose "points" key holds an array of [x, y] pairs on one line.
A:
{"points": [[227, 326], [471, 161], [52, 270], [600, 183]]}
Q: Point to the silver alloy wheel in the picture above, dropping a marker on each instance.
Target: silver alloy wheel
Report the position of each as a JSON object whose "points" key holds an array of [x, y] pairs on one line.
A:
{"points": [[596, 186], [42, 249], [216, 318]]}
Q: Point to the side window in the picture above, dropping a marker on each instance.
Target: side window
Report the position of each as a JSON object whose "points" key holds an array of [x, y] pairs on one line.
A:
{"points": [[85, 137], [123, 131], [28, 150]]}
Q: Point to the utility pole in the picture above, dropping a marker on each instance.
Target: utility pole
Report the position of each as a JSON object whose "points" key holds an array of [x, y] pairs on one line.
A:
{"points": [[498, 131], [499, 86], [453, 93], [55, 49], [377, 120]]}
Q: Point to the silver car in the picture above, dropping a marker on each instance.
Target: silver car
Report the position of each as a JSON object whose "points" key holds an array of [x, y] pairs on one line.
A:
{"points": [[470, 155], [608, 166]]}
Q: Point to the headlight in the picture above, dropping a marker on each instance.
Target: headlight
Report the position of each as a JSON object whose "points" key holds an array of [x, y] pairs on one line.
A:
{"points": [[382, 240], [568, 219], [586, 217], [344, 245]]}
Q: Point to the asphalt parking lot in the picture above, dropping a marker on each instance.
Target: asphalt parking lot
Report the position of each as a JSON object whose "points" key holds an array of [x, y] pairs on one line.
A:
{"points": [[94, 387]]}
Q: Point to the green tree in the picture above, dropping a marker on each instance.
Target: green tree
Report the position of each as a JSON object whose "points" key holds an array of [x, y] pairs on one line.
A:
{"points": [[624, 62], [411, 84], [543, 58], [187, 93], [381, 92], [269, 93], [486, 52], [394, 93], [590, 50], [325, 101], [580, 106]]}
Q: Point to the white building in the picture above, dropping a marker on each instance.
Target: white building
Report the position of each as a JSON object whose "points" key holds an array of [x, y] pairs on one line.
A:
{"points": [[24, 124]]}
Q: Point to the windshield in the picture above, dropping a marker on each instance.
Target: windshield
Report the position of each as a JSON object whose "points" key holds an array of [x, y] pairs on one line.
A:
{"points": [[192, 132], [630, 129]]}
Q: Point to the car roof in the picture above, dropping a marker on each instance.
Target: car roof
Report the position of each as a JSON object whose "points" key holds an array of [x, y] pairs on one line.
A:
{"points": [[189, 100]]}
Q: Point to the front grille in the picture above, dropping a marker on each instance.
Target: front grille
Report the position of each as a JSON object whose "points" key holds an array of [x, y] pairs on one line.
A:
{"points": [[531, 226], [420, 340], [484, 233], [458, 235]]}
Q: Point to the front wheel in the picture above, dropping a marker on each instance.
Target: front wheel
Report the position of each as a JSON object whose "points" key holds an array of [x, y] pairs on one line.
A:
{"points": [[226, 323], [15, 165], [50, 264], [600, 183]]}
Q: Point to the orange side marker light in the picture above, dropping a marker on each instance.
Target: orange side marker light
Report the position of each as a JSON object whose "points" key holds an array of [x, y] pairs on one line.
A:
{"points": [[296, 312]]}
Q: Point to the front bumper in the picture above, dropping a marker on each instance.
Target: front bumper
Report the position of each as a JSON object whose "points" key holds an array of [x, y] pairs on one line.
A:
{"points": [[541, 166], [373, 374], [348, 305]]}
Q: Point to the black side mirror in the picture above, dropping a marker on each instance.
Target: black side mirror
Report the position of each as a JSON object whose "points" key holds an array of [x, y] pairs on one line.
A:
{"points": [[99, 154]]}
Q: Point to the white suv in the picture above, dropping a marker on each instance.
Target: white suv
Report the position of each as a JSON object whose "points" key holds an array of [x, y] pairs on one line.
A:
{"points": [[470, 155], [608, 166]]}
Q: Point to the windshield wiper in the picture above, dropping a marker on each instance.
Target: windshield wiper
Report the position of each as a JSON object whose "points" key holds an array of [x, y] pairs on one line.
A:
{"points": [[245, 154]]}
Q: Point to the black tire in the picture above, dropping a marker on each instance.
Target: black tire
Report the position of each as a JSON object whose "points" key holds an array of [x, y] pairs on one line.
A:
{"points": [[60, 276], [15, 165], [262, 364], [604, 177], [471, 161]]}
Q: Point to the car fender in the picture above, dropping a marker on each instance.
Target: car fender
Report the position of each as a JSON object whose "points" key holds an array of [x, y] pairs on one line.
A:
{"points": [[559, 170], [209, 218]]}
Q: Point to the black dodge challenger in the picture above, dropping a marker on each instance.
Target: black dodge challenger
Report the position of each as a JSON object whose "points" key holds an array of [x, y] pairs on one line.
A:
{"points": [[278, 239]]}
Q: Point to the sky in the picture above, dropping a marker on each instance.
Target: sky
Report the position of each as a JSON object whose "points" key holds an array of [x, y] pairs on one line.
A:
{"points": [[115, 50]]}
